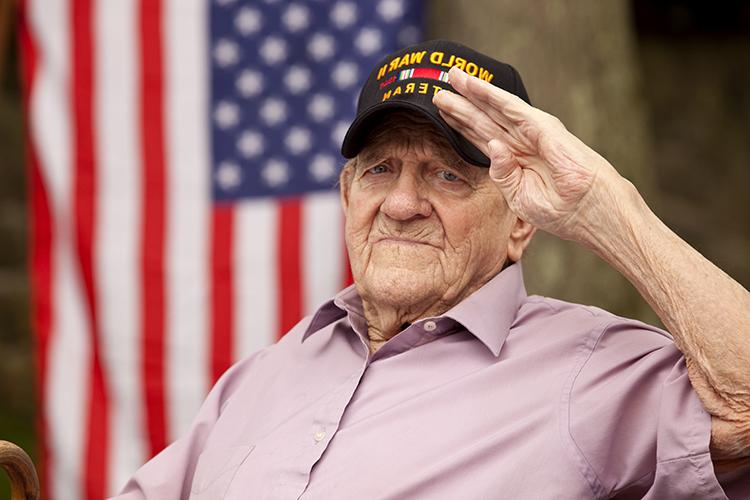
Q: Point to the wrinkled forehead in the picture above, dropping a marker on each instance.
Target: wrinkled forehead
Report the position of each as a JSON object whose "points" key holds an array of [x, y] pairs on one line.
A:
{"points": [[401, 131]]}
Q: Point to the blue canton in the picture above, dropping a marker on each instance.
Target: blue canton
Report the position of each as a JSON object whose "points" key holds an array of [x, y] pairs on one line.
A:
{"points": [[285, 77]]}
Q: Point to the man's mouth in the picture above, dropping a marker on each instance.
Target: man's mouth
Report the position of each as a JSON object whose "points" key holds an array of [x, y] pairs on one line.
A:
{"points": [[395, 240]]}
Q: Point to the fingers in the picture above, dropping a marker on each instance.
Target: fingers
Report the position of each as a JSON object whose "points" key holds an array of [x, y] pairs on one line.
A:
{"points": [[504, 106], [474, 123], [469, 120], [467, 132], [504, 168]]}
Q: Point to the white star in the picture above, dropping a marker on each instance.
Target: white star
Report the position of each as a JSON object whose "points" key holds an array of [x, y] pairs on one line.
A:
{"points": [[249, 83], [297, 79], [408, 35], [226, 52], [298, 140], [321, 46], [228, 175], [273, 50], [275, 172], [338, 133], [322, 167], [390, 10], [296, 17], [250, 144], [248, 21], [344, 74], [320, 107], [227, 114], [344, 14], [368, 41], [273, 111]]}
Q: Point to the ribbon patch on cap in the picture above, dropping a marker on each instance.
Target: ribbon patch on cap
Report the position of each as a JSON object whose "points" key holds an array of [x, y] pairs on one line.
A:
{"points": [[431, 73]]}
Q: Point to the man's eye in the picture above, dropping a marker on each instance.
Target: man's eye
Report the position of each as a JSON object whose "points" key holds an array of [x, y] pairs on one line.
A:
{"points": [[378, 169], [448, 176]]}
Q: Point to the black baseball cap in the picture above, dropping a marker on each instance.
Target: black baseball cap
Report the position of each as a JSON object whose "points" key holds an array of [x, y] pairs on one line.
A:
{"points": [[408, 79]]}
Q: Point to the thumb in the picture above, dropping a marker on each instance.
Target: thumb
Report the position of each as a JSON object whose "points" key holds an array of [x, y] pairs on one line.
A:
{"points": [[504, 168]]}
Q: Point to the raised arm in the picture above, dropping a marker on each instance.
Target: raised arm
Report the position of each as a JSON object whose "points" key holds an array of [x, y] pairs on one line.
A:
{"points": [[557, 183]]}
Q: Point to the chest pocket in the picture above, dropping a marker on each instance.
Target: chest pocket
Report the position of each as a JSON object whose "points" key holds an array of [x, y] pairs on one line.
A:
{"points": [[215, 471]]}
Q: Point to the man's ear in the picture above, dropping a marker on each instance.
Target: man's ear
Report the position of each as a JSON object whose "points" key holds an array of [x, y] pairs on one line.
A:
{"points": [[520, 237]]}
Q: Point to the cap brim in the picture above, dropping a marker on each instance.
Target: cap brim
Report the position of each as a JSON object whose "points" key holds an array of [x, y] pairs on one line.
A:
{"points": [[363, 124]]}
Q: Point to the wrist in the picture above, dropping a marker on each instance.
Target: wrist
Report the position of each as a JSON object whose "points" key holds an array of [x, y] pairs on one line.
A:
{"points": [[617, 220]]}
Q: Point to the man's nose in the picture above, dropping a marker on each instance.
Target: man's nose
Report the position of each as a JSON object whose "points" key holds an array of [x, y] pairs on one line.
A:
{"points": [[406, 199]]}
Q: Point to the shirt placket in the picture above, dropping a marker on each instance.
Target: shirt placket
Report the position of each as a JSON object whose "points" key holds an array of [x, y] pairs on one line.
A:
{"points": [[325, 421]]}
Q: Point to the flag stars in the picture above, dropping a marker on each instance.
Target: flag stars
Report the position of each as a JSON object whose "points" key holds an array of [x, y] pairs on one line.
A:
{"points": [[321, 107], [226, 53], [391, 10], [228, 175], [368, 41], [249, 83], [344, 74], [250, 144], [344, 14], [273, 50], [297, 79], [298, 140], [408, 35], [273, 111], [275, 172], [226, 114], [296, 17], [248, 21], [322, 168], [321, 46]]}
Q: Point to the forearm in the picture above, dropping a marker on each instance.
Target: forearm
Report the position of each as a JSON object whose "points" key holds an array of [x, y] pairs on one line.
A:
{"points": [[706, 311]]}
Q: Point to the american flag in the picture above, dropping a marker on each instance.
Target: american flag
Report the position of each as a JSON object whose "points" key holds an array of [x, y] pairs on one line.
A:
{"points": [[183, 156]]}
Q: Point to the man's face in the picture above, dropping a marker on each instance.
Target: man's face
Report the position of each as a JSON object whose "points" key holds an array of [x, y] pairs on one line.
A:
{"points": [[422, 226]]}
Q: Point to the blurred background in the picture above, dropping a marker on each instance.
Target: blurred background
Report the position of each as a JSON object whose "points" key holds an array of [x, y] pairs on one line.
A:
{"points": [[661, 89]]}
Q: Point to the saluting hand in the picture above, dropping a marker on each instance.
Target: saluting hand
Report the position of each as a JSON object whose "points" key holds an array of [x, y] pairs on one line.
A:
{"points": [[548, 177]]}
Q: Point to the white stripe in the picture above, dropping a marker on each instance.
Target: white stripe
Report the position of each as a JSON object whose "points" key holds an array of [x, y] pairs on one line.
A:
{"points": [[322, 248], [118, 233], [69, 361], [188, 209], [255, 276]]}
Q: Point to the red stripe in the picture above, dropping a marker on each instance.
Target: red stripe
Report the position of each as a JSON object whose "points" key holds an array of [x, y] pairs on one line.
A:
{"points": [[431, 73], [289, 265], [40, 248], [84, 207], [222, 286], [153, 223]]}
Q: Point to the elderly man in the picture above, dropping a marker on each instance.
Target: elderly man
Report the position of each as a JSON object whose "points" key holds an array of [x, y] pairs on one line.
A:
{"points": [[435, 375]]}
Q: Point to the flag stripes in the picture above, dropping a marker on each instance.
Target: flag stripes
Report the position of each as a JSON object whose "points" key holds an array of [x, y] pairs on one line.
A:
{"points": [[154, 179], [145, 289], [117, 149], [222, 284]]}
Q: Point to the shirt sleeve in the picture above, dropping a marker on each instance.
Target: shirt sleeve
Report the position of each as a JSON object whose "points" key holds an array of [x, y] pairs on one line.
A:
{"points": [[169, 474], [637, 427]]}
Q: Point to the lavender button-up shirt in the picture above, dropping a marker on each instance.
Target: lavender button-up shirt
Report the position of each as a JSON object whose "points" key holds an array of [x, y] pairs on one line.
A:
{"points": [[503, 396]]}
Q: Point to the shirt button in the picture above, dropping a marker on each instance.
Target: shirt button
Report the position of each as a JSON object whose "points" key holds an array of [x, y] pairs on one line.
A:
{"points": [[318, 436], [429, 326]]}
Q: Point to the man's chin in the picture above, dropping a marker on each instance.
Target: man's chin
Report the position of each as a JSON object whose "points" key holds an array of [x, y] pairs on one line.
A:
{"points": [[399, 286]]}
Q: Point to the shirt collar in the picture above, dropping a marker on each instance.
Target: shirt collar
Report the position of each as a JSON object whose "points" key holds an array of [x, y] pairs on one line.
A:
{"points": [[488, 313]]}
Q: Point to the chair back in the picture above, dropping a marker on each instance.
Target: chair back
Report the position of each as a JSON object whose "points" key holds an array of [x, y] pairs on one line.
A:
{"points": [[24, 483]]}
